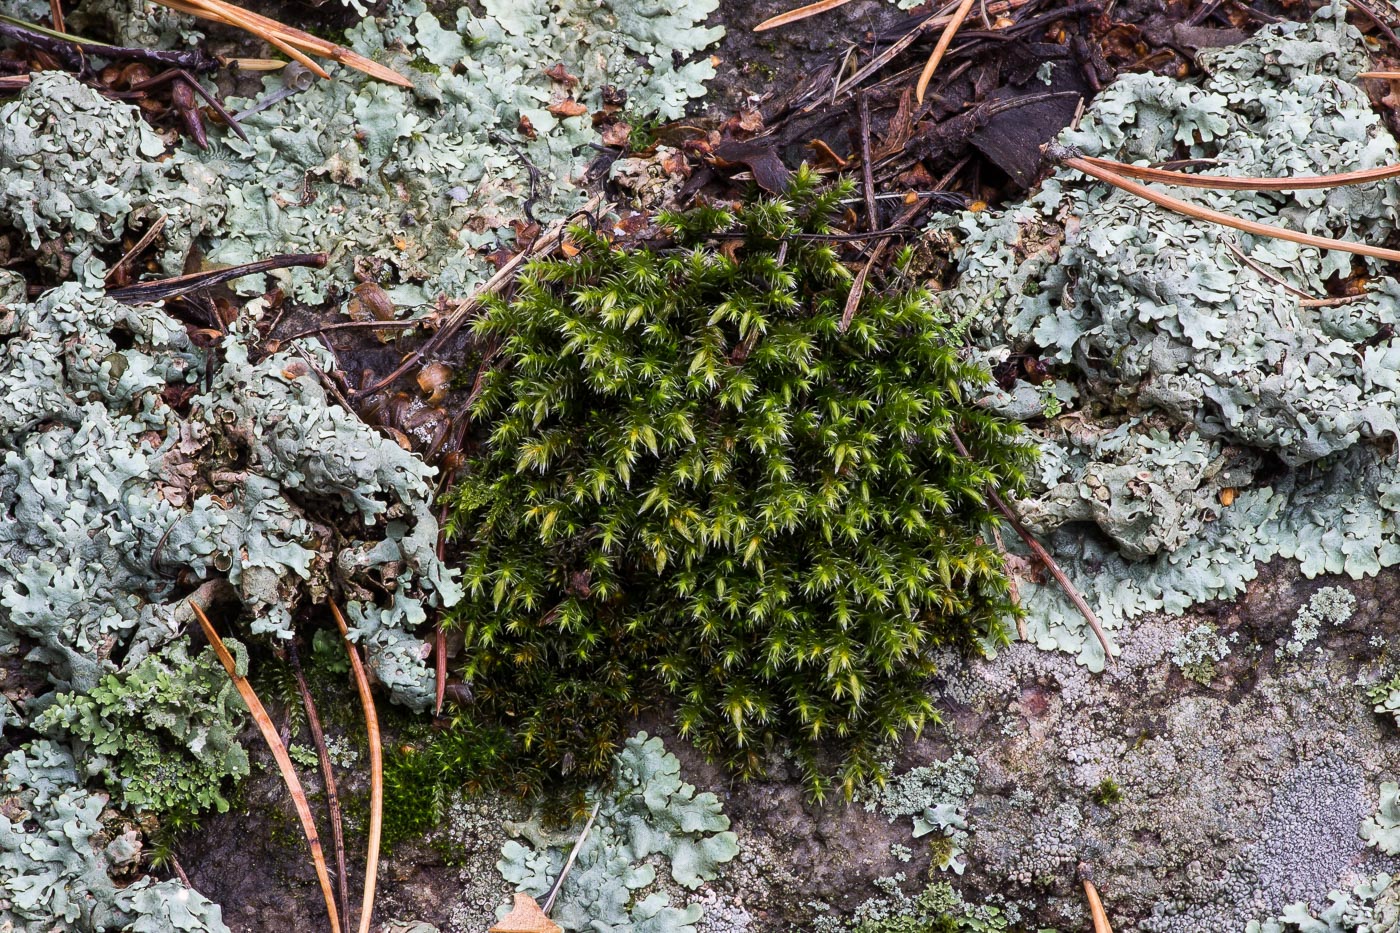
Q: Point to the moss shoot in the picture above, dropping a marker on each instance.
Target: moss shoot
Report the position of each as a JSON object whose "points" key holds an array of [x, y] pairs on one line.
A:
{"points": [[696, 487]]}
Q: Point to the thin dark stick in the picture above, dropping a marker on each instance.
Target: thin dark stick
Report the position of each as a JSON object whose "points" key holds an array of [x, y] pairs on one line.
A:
{"points": [[180, 74], [543, 245], [180, 871], [156, 226], [146, 292], [347, 325], [313, 722], [1374, 17], [858, 286], [872, 215], [1044, 556], [72, 49]]}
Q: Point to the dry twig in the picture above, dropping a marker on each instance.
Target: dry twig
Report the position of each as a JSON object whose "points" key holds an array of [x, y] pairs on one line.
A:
{"points": [[279, 754], [1043, 555], [313, 723]]}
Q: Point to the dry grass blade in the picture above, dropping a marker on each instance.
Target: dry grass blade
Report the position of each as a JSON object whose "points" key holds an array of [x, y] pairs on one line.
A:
{"points": [[802, 12], [1225, 220], [279, 753], [1386, 75], [1226, 183], [941, 49], [292, 41], [376, 771]]}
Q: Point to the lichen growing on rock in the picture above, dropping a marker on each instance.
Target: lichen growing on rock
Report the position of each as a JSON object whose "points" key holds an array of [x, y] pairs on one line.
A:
{"points": [[647, 811], [78, 170], [122, 479], [421, 184], [1197, 651], [1331, 605], [57, 858], [1193, 370], [162, 735]]}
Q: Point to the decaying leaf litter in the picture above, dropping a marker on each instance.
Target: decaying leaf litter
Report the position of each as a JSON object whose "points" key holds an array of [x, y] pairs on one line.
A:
{"points": [[972, 136]]}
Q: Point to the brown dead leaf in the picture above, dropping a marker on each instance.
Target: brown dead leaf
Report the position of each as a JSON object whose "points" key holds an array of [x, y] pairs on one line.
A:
{"points": [[567, 108], [617, 134], [526, 128], [556, 72]]}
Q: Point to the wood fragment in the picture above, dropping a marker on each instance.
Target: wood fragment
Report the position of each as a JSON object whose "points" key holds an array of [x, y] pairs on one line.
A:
{"points": [[279, 754], [867, 174], [941, 49], [1225, 220], [376, 771], [151, 231], [525, 917]]}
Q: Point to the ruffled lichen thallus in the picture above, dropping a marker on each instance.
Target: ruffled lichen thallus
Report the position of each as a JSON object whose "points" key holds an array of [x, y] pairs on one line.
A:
{"points": [[693, 487]]}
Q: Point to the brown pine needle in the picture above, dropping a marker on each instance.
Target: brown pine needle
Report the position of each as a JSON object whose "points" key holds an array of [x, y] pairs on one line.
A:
{"points": [[279, 753], [318, 737], [376, 771], [56, 14], [802, 12], [292, 41], [204, 9], [1227, 183], [1096, 912], [1225, 220], [1386, 75], [939, 50]]}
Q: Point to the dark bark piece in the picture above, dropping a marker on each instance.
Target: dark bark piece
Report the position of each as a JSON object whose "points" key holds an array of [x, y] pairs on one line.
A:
{"points": [[760, 157], [1012, 137]]}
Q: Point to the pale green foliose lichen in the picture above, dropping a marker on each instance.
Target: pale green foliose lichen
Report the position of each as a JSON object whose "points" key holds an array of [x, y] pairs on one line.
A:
{"points": [[421, 184], [1329, 606], [57, 859], [133, 462], [937, 908], [1196, 374], [1382, 829], [1370, 906], [647, 811], [163, 735], [78, 170], [935, 796]]}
